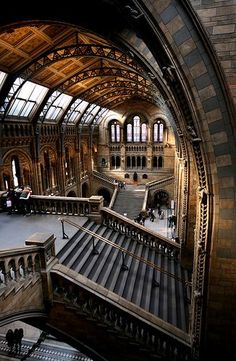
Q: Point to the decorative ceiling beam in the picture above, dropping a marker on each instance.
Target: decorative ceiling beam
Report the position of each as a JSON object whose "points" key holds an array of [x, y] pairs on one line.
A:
{"points": [[71, 51]]}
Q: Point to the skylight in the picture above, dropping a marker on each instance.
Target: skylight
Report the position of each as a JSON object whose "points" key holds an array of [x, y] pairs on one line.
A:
{"points": [[2, 78], [56, 104], [75, 111], [27, 99]]}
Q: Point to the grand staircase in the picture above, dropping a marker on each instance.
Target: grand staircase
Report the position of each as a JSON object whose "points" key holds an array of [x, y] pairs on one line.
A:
{"points": [[129, 201], [151, 280], [119, 290]]}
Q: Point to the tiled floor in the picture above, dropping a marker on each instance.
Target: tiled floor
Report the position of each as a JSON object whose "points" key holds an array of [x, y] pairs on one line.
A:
{"points": [[16, 228]]}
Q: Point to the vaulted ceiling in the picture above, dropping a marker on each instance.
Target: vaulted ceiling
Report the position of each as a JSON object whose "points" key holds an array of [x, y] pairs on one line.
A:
{"points": [[76, 62]]}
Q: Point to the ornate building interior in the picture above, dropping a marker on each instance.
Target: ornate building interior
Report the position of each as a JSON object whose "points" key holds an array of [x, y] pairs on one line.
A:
{"points": [[100, 100]]}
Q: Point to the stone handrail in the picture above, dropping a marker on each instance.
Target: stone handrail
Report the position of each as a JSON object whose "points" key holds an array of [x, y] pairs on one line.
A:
{"points": [[99, 305], [160, 182], [104, 177], [24, 277], [139, 233], [74, 206]]}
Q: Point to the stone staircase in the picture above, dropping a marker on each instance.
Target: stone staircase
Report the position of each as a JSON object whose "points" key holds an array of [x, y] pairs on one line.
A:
{"points": [[130, 200], [161, 293]]}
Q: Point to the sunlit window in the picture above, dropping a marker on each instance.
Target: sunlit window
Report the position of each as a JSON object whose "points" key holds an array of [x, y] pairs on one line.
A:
{"points": [[90, 114], [27, 99], [100, 116], [158, 131], [56, 104], [75, 111], [136, 130], [114, 131], [2, 78]]}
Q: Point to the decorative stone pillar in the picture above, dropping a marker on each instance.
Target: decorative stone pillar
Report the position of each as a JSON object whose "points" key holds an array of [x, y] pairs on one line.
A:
{"points": [[95, 205]]}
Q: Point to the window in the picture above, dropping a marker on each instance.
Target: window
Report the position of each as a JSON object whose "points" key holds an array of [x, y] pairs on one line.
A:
{"points": [[76, 109], [56, 104], [27, 99], [15, 167], [2, 78], [114, 131], [158, 131], [136, 130]]}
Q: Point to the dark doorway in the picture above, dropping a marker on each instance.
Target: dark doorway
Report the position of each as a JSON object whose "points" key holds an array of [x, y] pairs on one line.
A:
{"points": [[161, 197], [106, 195]]}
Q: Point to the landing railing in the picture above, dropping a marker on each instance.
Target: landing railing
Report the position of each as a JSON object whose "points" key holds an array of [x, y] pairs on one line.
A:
{"points": [[73, 206], [22, 263]]}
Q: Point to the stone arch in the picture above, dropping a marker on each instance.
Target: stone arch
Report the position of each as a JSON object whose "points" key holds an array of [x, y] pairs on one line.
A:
{"points": [[204, 114], [25, 164], [71, 194]]}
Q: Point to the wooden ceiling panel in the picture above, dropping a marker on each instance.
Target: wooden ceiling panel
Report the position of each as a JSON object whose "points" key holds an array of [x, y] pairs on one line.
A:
{"points": [[3, 51], [33, 46], [44, 77], [17, 36], [76, 89], [55, 31], [71, 68], [11, 61]]}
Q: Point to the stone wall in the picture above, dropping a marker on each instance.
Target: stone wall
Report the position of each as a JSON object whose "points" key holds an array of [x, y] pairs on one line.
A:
{"points": [[219, 20]]}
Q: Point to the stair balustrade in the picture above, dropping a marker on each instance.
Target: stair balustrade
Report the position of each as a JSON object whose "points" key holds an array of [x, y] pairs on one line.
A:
{"points": [[139, 233], [92, 302]]}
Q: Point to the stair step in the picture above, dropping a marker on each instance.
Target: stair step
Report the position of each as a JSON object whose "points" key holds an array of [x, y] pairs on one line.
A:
{"points": [[141, 284]]}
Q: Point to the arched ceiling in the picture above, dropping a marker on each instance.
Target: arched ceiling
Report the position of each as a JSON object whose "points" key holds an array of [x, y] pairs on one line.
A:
{"points": [[73, 61]]}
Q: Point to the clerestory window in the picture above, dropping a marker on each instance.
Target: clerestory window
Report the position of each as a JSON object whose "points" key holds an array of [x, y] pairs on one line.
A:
{"points": [[158, 131], [114, 131], [136, 131]]}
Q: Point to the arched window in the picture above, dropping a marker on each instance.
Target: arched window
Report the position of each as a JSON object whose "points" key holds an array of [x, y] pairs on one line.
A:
{"points": [[15, 167], [136, 131], [114, 131], [158, 131]]}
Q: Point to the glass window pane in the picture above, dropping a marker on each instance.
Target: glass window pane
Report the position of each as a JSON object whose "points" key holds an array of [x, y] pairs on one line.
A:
{"points": [[118, 132], [27, 109], [16, 107], [113, 137], [129, 132], [161, 128], [2, 78], [155, 132], [144, 132]]}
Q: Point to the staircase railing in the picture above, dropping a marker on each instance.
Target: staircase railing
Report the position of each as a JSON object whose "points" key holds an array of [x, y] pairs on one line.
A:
{"points": [[104, 177], [23, 268], [97, 305], [140, 233]]}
